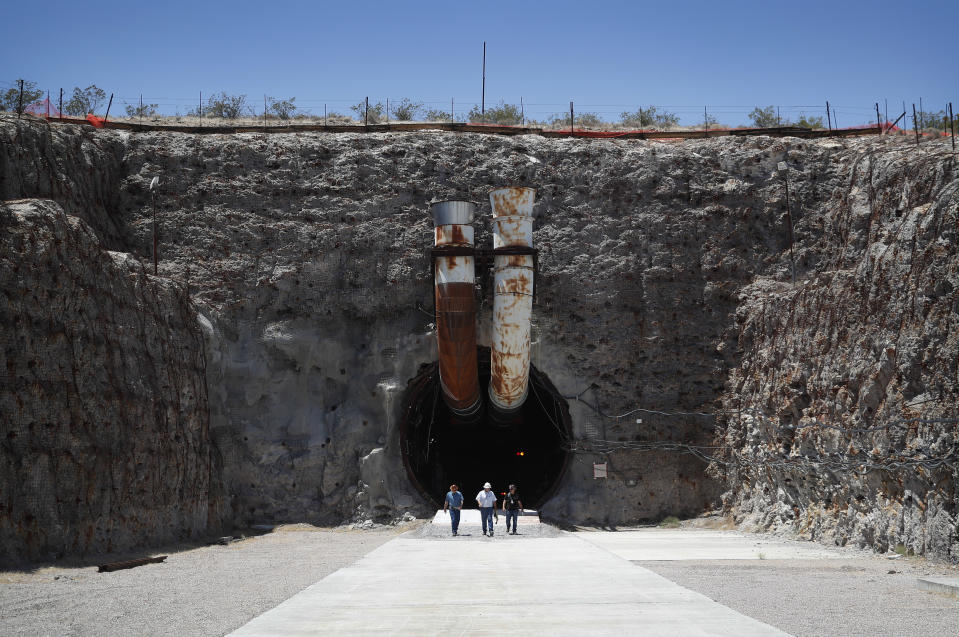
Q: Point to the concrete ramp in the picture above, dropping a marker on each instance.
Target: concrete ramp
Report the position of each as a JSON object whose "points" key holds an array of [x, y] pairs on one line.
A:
{"points": [[472, 516], [558, 586]]}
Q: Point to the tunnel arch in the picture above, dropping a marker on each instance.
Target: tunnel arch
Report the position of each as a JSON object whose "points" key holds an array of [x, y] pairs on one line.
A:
{"points": [[529, 448]]}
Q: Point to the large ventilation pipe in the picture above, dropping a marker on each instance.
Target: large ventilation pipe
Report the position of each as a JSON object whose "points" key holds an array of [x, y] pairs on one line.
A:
{"points": [[456, 305], [512, 296]]}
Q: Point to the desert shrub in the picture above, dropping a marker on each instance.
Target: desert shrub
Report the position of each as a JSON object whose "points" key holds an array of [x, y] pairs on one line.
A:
{"points": [[142, 110], [764, 117], [808, 121], [649, 117], [589, 120], [670, 522], [84, 101], [405, 109], [283, 109], [10, 99], [934, 119], [225, 106], [436, 115], [503, 114], [377, 111]]}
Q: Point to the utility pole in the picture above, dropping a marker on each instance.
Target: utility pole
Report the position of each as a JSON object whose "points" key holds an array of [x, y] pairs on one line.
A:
{"points": [[483, 97]]}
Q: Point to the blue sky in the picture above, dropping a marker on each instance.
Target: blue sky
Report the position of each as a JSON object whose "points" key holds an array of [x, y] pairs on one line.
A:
{"points": [[607, 57]]}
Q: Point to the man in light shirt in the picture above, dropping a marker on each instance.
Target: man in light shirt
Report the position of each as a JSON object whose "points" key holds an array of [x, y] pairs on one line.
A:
{"points": [[486, 500]]}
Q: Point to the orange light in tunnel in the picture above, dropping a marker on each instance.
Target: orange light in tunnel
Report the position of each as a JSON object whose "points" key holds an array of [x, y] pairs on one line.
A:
{"points": [[520, 453]]}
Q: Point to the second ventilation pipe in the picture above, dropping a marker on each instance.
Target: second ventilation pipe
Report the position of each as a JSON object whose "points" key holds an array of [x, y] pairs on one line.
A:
{"points": [[512, 296], [456, 305]]}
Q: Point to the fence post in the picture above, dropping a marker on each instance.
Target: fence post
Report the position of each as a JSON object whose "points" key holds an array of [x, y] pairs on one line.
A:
{"points": [[366, 117], [572, 119], [141, 108], [483, 98], [522, 112], [877, 118], [20, 101], [48, 105], [952, 129], [61, 103], [915, 123], [452, 117], [107, 114], [828, 116]]}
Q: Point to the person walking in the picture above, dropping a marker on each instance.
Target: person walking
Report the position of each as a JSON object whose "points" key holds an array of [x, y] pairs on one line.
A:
{"points": [[512, 505], [486, 500], [454, 504]]}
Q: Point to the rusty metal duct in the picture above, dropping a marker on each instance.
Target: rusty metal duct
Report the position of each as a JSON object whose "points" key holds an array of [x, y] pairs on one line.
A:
{"points": [[456, 305], [512, 296]]}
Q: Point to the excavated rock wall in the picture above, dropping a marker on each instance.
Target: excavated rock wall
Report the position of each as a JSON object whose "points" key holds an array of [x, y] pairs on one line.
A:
{"points": [[105, 441], [307, 255], [843, 409]]}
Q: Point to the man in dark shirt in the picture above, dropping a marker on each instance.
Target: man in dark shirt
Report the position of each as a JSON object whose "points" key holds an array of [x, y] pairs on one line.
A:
{"points": [[454, 504], [512, 505]]}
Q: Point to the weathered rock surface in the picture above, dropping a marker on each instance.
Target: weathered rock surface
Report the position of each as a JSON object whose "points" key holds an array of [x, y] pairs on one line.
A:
{"points": [[104, 435], [844, 406], [307, 256]]}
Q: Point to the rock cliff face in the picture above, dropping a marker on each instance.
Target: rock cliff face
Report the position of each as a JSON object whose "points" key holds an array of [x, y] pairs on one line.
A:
{"points": [[307, 256], [105, 435], [843, 422]]}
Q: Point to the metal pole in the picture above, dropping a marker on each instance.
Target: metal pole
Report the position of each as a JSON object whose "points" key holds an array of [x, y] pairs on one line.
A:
{"points": [[572, 118], [366, 118], [522, 111], [141, 108], [61, 103], [20, 101], [828, 116], [264, 110], [705, 123], [483, 98], [952, 129], [107, 114], [878, 124], [915, 123], [452, 117]]}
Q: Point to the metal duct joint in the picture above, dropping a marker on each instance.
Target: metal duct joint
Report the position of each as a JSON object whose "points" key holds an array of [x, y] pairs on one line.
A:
{"points": [[512, 297], [456, 306]]}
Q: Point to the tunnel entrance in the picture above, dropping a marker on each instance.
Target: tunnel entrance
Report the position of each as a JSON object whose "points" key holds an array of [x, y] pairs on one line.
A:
{"points": [[528, 448]]}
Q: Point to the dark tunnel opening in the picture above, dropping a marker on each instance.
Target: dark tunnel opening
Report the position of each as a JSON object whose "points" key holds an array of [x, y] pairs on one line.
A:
{"points": [[528, 448]]}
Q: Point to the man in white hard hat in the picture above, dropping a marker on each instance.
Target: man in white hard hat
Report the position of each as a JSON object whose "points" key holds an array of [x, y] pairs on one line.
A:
{"points": [[486, 500]]}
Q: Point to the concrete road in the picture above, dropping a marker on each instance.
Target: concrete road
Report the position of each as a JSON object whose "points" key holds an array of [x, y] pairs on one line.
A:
{"points": [[702, 544], [513, 585]]}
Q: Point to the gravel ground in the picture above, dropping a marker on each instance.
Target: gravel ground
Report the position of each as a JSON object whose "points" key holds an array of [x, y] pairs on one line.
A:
{"points": [[821, 598], [209, 590]]}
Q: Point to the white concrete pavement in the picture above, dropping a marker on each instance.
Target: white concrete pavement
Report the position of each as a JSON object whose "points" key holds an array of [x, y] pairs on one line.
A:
{"points": [[562, 585], [649, 545]]}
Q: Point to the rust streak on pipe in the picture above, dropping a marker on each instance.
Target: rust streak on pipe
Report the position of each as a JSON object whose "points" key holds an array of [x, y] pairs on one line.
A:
{"points": [[456, 308], [512, 298]]}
